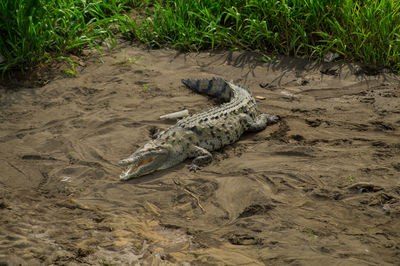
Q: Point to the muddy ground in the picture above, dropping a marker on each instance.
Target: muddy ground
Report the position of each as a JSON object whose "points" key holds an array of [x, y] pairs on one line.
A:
{"points": [[322, 185]]}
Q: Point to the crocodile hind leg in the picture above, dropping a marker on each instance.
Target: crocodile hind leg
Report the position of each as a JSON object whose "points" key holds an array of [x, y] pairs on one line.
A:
{"points": [[202, 157], [259, 123], [155, 132]]}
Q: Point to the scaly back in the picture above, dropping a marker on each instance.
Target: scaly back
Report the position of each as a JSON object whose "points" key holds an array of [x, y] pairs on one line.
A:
{"points": [[237, 99]]}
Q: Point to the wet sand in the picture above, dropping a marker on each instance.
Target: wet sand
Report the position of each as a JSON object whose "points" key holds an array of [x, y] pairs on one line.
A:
{"points": [[322, 185]]}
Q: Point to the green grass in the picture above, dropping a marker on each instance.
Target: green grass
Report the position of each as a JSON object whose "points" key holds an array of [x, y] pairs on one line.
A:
{"points": [[366, 31], [34, 31]]}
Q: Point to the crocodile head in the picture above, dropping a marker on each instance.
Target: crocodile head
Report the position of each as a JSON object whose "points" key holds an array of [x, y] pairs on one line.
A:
{"points": [[145, 161]]}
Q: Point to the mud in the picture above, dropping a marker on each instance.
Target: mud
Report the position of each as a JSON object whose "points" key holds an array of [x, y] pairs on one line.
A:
{"points": [[322, 185]]}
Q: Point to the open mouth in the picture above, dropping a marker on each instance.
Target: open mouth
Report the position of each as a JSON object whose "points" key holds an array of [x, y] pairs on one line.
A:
{"points": [[133, 169]]}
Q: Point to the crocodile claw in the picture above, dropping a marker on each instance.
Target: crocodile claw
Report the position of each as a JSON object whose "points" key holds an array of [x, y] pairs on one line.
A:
{"points": [[194, 168]]}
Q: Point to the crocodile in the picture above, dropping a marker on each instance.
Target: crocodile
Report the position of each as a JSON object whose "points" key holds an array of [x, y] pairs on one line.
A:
{"points": [[197, 135]]}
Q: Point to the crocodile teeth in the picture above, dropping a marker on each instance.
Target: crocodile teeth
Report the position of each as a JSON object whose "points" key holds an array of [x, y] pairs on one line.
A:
{"points": [[127, 171]]}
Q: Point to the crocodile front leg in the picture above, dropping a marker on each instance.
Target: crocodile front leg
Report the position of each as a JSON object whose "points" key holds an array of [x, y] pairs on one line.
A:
{"points": [[259, 123], [202, 157]]}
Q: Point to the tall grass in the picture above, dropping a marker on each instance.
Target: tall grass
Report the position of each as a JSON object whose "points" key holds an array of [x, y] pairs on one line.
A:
{"points": [[32, 31], [366, 31]]}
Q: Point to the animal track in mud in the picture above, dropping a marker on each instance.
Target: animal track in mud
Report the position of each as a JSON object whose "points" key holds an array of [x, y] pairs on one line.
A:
{"points": [[281, 132], [332, 142], [78, 123], [382, 155], [111, 122], [313, 122], [396, 166], [363, 187], [132, 124], [379, 199], [195, 193], [358, 127], [369, 100], [204, 188], [73, 161], [236, 148], [255, 209], [115, 80], [37, 157], [383, 99], [382, 126], [85, 91], [327, 193], [380, 144], [315, 111], [244, 239], [141, 83], [297, 137], [48, 104], [383, 147], [293, 153], [45, 178], [362, 194]]}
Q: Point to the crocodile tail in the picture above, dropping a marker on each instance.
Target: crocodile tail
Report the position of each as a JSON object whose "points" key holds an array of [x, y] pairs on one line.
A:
{"points": [[215, 87]]}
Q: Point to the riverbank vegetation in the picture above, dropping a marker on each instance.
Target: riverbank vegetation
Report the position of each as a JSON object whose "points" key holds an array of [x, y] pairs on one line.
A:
{"points": [[35, 31]]}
